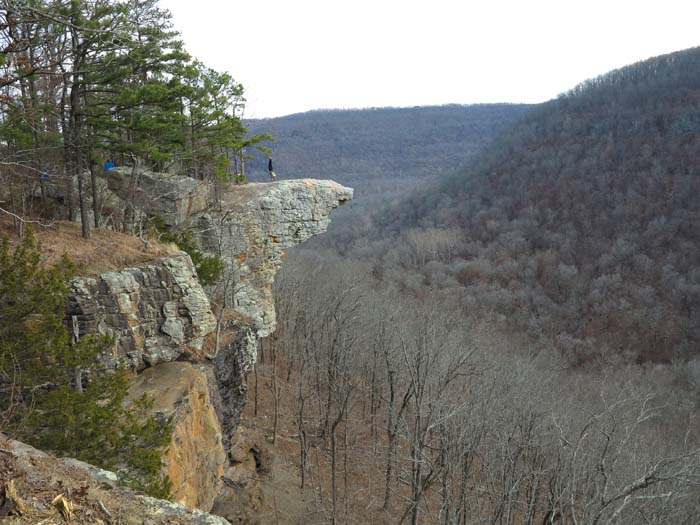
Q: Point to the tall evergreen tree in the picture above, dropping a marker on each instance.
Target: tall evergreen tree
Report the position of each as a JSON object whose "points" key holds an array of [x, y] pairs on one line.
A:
{"points": [[85, 80], [45, 400]]}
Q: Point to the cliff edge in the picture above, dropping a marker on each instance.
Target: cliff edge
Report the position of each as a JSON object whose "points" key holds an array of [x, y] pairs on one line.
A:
{"points": [[189, 358], [251, 230]]}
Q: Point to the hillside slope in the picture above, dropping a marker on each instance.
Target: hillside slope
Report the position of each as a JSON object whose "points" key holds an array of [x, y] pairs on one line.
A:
{"points": [[356, 145], [385, 153], [581, 222]]}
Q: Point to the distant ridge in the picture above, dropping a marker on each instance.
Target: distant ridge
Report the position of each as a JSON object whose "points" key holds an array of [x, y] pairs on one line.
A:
{"points": [[354, 144], [384, 108], [582, 222]]}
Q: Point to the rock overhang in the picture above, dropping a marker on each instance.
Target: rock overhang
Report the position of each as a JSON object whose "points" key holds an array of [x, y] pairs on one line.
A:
{"points": [[254, 226]]}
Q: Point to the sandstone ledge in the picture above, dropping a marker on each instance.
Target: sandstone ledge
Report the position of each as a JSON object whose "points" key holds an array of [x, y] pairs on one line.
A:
{"points": [[254, 226]]}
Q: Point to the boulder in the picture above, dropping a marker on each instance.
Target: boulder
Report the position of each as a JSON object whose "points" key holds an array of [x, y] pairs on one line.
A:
{"points": [[172, 198]]}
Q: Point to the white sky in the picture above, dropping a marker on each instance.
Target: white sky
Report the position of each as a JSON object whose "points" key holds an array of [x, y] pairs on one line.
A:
{"points": [[297, 55]]}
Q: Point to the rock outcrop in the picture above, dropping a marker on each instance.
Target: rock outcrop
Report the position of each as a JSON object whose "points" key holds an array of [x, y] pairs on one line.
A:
{"points": [[94, 493], [157, 312], [250, 226], [231, 365], [251, 231], [171, 198], [195, 457], [254, 226], [241, 498]]}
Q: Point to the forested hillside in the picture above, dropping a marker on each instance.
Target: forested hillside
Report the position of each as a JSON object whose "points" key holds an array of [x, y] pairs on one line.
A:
{"points": [[516, 342], [581, 222], [352, 146]]}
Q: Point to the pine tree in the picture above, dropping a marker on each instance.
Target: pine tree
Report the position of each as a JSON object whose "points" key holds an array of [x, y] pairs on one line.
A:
{"points": [[43, 401]]}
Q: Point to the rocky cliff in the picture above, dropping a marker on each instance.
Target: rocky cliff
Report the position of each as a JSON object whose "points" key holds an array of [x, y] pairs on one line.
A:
{"points": [[251, 230], [160, 315], [195, 457], [157, 312], [249, 226]]}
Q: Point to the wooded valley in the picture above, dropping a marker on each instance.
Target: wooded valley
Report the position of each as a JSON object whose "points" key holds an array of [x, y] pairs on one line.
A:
{"points": [[502, 327], [515, 339]]}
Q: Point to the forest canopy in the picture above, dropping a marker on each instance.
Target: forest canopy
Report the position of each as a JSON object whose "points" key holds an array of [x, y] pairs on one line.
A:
{"points": [[92, 83], [580, 222]]}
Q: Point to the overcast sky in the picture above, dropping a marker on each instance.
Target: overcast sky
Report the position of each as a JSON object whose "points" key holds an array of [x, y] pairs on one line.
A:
{"points": [[297, 55]]}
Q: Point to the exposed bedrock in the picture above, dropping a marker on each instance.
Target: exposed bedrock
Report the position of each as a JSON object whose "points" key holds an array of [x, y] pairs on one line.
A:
{"points": [[172, 198], [157, 312], [195, 458], [250, 226], [251, 230]]}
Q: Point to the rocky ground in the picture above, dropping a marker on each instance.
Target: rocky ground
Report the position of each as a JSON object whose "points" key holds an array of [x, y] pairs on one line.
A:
{"points": [[53, 491]]}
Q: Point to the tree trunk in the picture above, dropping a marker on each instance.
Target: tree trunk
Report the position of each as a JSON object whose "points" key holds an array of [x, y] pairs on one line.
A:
{"points": [[95, 203], [84, 217], [334, 487], [75, 130], [275, 393]]}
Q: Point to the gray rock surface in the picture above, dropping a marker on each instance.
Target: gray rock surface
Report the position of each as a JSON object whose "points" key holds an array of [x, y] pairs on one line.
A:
{"points": [[231, 366], [250, 226], [194, 516], [156, 312], [173, 198], [255, 225]]}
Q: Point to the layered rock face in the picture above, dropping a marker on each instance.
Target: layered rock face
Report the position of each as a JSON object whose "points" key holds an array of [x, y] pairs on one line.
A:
{"points": [[256, 223], [156, 312], [159, 313]]}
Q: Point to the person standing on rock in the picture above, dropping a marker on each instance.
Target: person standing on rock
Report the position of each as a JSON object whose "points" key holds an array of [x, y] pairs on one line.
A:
{"points": [[269, 168]]}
